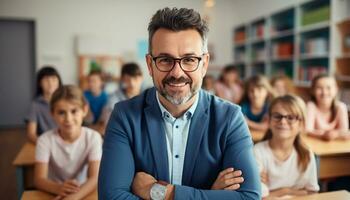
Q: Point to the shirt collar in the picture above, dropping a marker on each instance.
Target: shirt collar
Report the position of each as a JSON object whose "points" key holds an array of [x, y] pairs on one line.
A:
{"points": [[188, 114]]}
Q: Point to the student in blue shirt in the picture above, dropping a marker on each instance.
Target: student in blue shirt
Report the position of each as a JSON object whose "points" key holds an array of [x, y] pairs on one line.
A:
{"points": [[255, 104], [176, 141], [95, 94]]}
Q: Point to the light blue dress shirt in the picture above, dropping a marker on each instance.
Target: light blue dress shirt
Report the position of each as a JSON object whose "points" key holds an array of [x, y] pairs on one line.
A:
{"points": [[176, 130]]}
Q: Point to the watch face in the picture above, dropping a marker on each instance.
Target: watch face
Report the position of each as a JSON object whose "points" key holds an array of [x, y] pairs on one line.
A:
{"points": [[158, 192]]}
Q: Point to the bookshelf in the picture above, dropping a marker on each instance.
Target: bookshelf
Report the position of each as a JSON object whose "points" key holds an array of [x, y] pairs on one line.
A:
{"points": [[301, 41], [240, 49]]}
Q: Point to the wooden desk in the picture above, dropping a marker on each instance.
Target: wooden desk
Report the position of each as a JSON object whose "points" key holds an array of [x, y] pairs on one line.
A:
{"points": [[338, 195], [333, 157], [36, 194], [24, 163]]}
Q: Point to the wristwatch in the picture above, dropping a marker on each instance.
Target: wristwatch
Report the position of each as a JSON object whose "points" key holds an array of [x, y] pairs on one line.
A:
{"points": [[158, 191]]}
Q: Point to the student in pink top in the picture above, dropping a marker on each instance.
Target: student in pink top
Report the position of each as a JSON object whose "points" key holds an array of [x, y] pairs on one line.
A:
{"points": [[68, 158], [327, 118], [229, 86]]}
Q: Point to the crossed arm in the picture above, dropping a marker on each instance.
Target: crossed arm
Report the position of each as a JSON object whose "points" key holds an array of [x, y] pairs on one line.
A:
{"points": [[228, 179], [117, 178]]}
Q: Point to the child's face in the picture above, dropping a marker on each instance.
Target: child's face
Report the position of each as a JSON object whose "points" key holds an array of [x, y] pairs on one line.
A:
{"points": [[325, 91], [280, 87], [209, 83], [95, 83], [231, 77], [257, 95], [69, 117], [283, 123], [132, 83], [49, 84]]}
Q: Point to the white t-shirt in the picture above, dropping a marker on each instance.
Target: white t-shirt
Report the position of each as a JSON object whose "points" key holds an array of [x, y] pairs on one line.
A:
{"points": [[284, 173], [68, 160]]}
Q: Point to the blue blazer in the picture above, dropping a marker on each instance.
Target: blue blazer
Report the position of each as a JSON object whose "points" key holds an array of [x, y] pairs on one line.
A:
{"points": [[218, 138]]}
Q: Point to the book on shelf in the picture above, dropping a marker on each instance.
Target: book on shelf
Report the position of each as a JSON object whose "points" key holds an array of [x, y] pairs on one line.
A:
{"points": [[309, 72], [240, 56], [316, 15], [282, 50], [315, 46], [259, 55], [258, 31], [240, 36]]}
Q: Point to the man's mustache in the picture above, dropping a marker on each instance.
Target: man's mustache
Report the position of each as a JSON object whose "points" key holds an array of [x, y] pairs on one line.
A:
{"points": [[174, 80]]}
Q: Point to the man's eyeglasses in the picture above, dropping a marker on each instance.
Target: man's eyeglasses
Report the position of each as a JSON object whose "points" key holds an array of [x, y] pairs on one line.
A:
{"points": [[167, 63], [290, 118]]}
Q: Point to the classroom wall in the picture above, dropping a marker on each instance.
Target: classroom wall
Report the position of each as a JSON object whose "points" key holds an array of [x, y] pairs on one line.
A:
{"points": [[123, 22], [59, 22]]}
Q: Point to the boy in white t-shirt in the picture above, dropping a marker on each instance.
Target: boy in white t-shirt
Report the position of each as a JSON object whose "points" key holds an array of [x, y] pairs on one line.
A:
{"points": [[287, 167], [68, 158]]}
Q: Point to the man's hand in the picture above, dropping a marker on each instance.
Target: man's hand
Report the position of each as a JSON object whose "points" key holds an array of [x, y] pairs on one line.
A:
{"points": [[141, 185], [228, 179], [69, 187]]}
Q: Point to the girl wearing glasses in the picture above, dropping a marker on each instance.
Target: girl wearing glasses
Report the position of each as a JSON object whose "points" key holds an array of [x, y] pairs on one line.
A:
{"points": [[287, 167], [327, 117]]}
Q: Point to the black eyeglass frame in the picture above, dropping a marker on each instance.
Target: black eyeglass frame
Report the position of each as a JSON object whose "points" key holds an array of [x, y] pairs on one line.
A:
{"points": [[287, 117], [175, 61]]}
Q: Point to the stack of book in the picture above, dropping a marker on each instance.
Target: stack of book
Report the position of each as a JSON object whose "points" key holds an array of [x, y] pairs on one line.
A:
{"points": [[282, 50], [240, 36], [316, 46], [309, 72]]}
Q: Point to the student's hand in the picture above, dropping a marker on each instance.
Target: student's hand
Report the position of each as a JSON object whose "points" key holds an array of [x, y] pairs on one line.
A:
{"points": [[142, 184], [228, 179], [298, 192], [69, 187], [330, 135], [264, 177]]}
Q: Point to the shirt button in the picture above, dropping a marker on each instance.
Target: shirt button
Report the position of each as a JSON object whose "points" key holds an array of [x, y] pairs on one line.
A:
{"points": [[176, 156], [176, 126]]}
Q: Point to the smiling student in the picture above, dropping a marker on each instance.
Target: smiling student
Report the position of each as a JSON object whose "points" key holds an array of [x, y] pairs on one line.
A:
{"points": [[327, 117], [287, 167], [67, 159]]}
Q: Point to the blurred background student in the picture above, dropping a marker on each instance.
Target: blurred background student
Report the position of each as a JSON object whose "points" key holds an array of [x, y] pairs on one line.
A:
{"points": [[282, 85], [255, 104], [287, 167], [96, 96], [39, 118], [67, 159], [229, 86], [130, 86], [209, 84], [327, 117]]}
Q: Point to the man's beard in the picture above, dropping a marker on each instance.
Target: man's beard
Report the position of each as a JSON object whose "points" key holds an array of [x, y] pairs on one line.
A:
{"points": [[176, 98]]}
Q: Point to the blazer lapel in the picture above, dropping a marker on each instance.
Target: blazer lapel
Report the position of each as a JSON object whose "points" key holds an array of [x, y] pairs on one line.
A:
{"points": [[157, 136], [195, 135]]}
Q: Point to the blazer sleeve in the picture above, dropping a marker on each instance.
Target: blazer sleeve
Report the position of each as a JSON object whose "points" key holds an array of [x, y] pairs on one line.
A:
{"points": [[238, 153], [117, 164]]}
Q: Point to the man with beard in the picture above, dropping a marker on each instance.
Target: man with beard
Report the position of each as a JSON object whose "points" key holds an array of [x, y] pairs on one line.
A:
{"points": [[175, 141]]}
